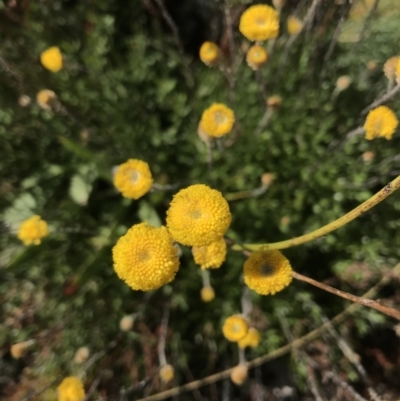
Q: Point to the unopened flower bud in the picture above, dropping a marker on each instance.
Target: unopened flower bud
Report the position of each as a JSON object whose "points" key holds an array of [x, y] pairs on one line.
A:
{"points": [[24, 100], [267, 179], [207, 294], [368, 156], [343, 82], [126, 323], [19, 350], [81, 355], [239, 374], [166, 373]]}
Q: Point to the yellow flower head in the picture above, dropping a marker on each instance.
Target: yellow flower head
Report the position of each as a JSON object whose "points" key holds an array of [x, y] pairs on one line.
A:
{"points": [[252, 339], [33, 230], [294, 25], [51, 59], [380, 122], [133, 178], [207, 294], [44, 98], [267, 272], [389, 68], [256, 57], [198, 216], [235, 328], [145, 257], [217, 120], [166, 373], [259, 22], [209, 53], [239, 374], [71, 389], [210, 256]]}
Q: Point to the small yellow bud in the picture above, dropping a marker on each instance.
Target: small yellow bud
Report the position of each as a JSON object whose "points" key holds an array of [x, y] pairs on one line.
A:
{"points": [[166, 373], [267, 179], [278, 4], [274, 102], [81, 355], [368, 156], [207, 294], [389, 68], [24, 100], [239, 374], [343, 82], [126, 323], [19, 350], [45, 99]]}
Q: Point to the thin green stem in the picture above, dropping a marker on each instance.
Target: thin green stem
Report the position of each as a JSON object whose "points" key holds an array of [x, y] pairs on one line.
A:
{"points": [[334, 225]]}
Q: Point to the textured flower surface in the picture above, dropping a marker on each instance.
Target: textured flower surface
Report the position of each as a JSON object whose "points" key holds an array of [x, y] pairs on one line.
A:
{"points": [[259, 22], [256, 57], [294, 25], [207, 294], [145, 257], [267, 272], [210, 256], [217, 120], [133, 178], [166, 373], [380, 122], [198, 215], [51, 59], [71, 389], [252, 339], [33, 230], [209, 53], [235, 328], [44, 98]]}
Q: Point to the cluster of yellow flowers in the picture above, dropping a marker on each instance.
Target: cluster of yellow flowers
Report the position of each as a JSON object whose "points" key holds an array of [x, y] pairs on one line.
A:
{"points": [[236, 329], [33, 230], [146, 257]]}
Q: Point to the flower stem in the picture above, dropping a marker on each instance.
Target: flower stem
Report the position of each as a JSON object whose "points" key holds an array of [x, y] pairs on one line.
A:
{"points": [[334, 225], [362, 301]]}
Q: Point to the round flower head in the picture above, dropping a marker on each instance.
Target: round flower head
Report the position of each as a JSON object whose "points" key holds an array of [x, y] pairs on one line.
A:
{"points": [[389, 68], [259, 22], [210, 256], [33, 230], [133, 178], [81, 355], [209, 53], [294, 25], [51, 59], [267, 272], [239, 374], [166, 373], [126, 323], [256, 57], [145, 257], [198, 216], [235, 328], [44, 98], [217, 120], [252, 339], [207, 294], [380, 122], [71, 389]]}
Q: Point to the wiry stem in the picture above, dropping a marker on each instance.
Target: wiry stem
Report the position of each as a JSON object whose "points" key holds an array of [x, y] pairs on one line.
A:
{"points": [[334, 225], [362, 301]]}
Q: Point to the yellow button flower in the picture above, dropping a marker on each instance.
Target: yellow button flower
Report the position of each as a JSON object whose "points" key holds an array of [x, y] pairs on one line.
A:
{"points": [[33, 230], [145, 257], [71, 389], [380, 122], [166, 373], [51, 59], [210, 256], [256, 57], [209, 53], [267, 272], [235, 328], [259, 22], [217, 120], [294, 25], [252, 339], [207, 294], [44, 98], [133, 178], [198, 216]]}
